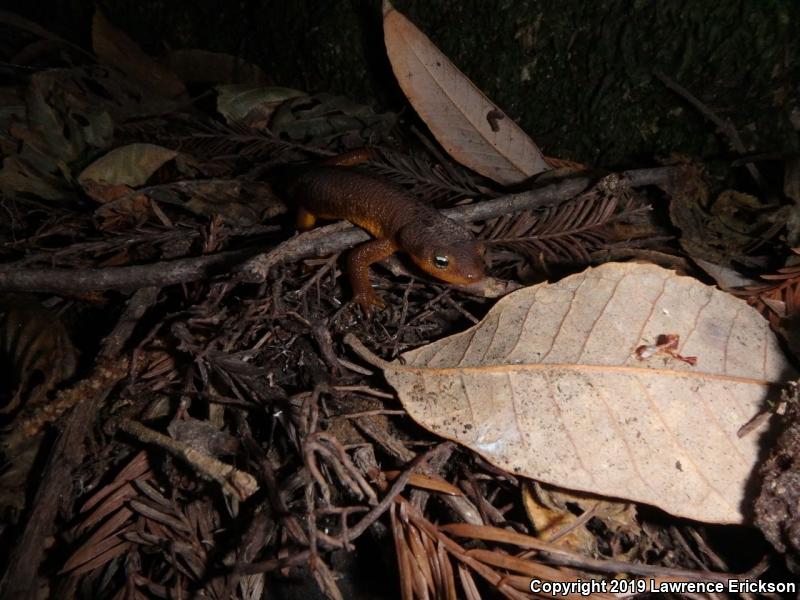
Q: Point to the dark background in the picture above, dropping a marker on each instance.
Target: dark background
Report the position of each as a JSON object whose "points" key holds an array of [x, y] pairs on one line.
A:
{"points": [[576, 74]]}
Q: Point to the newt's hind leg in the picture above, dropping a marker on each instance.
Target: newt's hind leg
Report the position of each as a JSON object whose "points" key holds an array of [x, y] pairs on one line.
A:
{"points": [[304, 220]]}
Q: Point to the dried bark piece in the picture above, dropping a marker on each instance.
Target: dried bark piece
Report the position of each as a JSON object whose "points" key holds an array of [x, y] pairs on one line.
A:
{"points": [[778, 505]]}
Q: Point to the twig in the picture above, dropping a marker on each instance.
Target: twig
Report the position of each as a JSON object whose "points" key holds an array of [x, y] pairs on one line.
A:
{"points": [[20, 579], [370, 391], [461, 553], [329, 264], [368, 519], [134, 311], [726, 127], [397, 486], [265, 566], [579, 522], [317, 242], [159, 274], [371, 413], [327, 446], [558, 555], [236, 484]]}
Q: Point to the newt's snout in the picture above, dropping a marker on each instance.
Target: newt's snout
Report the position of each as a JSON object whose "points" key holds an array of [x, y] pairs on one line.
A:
{"points": [[459, 263]]}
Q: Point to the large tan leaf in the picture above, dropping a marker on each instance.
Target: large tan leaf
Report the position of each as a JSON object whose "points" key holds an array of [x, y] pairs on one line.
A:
{"points": [[549, 386], [466, 123]]}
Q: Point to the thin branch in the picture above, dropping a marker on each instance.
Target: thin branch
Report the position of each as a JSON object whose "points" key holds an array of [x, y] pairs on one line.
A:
{"points": [[159, 274], [317, 242], [20, 579], [726, 127]]}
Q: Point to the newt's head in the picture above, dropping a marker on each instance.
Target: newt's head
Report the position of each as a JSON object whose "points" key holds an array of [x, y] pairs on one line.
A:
{"points": [[458, 261]]}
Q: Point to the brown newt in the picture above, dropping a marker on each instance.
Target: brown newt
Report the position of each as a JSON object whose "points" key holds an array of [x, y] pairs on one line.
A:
{"points": [[396, 219]]}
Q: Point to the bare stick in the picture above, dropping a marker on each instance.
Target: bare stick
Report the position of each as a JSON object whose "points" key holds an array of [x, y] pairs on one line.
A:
{"points": [[317, 242], [235, 483], [158, 274]]}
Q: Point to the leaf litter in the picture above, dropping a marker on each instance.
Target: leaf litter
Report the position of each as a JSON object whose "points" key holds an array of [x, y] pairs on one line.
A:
{"points": [[179, 363]]}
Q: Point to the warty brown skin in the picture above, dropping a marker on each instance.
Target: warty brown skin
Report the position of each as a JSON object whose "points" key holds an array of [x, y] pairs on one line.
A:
{"points": [[397, 220]]}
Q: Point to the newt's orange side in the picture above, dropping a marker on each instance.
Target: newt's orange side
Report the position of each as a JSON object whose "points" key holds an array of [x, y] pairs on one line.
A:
{"points": [[396, 219]]}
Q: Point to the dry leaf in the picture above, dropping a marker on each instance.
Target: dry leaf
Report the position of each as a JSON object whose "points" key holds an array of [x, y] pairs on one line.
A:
{"points": [[130, 165], [325, 117], [466, 123], [19, 176], [251, 104], [551, 521], [548, 385], [426, 482], [115, 48], [242, 203], [38, 348], [726, 277], [724, 229], [15, 20], [123, 212]]}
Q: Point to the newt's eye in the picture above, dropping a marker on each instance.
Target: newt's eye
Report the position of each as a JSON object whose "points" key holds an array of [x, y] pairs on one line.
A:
{"points": [[440, 261]]}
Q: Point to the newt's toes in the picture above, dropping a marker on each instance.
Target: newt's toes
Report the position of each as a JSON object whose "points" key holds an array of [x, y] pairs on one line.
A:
{"points": [[368, 301]]}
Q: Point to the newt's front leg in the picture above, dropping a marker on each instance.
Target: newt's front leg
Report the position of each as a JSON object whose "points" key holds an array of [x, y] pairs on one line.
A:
{"points": [[304, 220], [358, 262]]}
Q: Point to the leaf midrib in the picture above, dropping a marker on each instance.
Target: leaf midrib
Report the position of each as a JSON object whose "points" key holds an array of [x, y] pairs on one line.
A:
{"points": [[613, 369]]}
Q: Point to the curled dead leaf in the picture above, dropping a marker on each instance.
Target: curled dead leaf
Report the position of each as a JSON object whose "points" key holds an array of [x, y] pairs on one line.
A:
{"points": [[466, 123], [325, 117], [549, 386]]}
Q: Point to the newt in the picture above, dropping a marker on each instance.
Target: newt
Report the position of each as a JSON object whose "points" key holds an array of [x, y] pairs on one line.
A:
{"points": [[397, 220]]}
